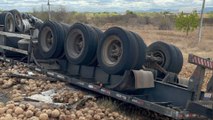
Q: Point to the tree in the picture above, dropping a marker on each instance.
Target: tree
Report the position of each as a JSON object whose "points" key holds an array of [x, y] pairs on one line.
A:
{"points": [[187, 22], [128, 12]]}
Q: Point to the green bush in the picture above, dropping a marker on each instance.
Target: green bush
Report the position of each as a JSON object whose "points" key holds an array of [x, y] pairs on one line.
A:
{"points": [[187, 22]]}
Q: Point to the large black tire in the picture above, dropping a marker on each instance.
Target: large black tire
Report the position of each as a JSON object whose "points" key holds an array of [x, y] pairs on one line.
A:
{"points": [[170, 55], [50, 40], [19, 26], [99, 35], [179, 61], [7, 19], [81, 44], [142, 51], [117, 51]]}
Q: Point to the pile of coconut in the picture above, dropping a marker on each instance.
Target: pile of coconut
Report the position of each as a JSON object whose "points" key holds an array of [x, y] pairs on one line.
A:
{"points": [[16, 88]]}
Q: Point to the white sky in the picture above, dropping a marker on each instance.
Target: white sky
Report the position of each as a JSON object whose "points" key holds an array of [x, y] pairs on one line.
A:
{"points": [[104, 5]]}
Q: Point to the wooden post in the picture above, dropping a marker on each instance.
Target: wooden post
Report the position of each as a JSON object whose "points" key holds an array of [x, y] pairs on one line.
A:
{"points": [[201, 22], [48, 3]]}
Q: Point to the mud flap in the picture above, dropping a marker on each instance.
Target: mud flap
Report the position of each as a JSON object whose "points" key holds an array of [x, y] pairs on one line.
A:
{"points": [[143, 79]]}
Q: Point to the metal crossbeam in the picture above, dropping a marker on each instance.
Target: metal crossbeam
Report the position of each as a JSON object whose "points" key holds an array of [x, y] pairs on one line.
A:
{"points": [[14, 49], [15, 35]]}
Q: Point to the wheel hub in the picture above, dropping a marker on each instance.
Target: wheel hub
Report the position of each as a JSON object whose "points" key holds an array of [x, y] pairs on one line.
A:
{"points": [[112, 51]]}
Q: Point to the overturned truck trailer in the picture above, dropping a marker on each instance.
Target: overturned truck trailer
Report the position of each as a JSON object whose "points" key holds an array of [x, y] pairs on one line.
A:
{"points": [[115, 63]]}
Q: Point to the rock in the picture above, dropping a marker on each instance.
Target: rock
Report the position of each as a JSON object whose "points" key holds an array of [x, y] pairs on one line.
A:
{"points": [[43, 116], [19, 110]]}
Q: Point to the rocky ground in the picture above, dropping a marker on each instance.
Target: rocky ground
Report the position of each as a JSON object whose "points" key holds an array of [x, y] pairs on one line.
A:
{"points": [[15, 90]]}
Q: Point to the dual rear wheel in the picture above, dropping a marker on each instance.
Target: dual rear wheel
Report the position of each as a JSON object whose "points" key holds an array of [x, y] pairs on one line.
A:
{"points": [[115, 51]]}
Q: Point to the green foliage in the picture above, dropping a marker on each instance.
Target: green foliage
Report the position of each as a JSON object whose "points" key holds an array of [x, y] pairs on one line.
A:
{"points": [[187, 22], [128, 12]]}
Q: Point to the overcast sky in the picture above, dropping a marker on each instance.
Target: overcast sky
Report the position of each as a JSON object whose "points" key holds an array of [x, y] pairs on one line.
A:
{"points": [[104, 5]]}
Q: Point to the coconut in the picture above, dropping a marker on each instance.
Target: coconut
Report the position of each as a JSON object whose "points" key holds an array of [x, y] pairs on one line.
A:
{"points": [[2, 110], [9, 111], [31, 107], [73, 116], [97, 117], [21, 116], [34, 118], [23, 106], [115, 114], [88, 116], [55, 113], [19, 110], [8, 117], [43, 116], [79, 113], [82, 118], [29, 113], [63, 117], [49, 112]]}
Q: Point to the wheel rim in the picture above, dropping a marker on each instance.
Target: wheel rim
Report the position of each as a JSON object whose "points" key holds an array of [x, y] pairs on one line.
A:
{"points": [[161, 56], [112, 51], [10, 24], [47, 39], [75, 43]]}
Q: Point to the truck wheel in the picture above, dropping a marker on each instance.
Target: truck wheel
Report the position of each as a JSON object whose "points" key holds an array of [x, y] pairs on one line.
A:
{"points": [[142, 51], [179, 61], [7, 19], [50, 40], [116, 51], [81, 44], [18, 20], [99, 35], [168, 54]]}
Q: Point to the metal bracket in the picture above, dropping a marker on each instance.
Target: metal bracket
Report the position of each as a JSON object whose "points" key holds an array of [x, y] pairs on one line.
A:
{"points": [[170, 78], [196, 81], [209, 87]]}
